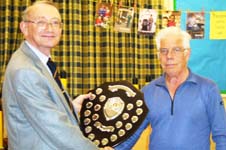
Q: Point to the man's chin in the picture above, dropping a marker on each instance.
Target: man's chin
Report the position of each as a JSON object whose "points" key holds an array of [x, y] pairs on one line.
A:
{"points": [[51, 45]]}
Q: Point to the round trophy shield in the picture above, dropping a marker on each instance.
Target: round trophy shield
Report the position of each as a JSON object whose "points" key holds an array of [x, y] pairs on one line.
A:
{"points": [[113, 114]]}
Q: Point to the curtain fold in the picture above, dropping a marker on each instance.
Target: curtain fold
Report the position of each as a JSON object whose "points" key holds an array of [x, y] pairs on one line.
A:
{"points": [[90, 55]]}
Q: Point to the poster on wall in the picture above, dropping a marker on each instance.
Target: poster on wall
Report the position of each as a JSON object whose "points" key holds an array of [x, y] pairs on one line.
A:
{"points": [[103, 15], [171, 18], [195, 24], [124, 19], [217, 25], [147, 21]]}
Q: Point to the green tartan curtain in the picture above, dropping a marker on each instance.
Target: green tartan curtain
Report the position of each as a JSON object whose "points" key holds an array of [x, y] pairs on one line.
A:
{"points": [[90, 55]]}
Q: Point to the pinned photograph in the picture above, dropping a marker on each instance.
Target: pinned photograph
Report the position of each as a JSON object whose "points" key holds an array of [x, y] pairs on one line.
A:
{"points": [[103, 15], [195, 24], [171, 18], [124, 19], [147, 21]]}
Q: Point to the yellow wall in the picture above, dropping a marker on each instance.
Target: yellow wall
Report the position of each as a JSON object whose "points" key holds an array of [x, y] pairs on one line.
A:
{"points": [[143, 142]]}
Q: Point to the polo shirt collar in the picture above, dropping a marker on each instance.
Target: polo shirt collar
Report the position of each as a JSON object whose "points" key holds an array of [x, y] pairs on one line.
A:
{"points": [[191, 78]]}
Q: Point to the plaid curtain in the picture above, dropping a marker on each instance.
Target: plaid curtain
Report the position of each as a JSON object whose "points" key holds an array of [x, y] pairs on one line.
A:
{"points": [[90, 55]]}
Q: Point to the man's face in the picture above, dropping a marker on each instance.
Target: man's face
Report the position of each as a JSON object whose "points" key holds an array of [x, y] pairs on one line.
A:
{"points": [[43, 27], [172, 18], [174, 60], [164, 22]]}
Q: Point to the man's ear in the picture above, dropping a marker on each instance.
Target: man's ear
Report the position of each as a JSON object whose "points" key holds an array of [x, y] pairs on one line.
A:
{"points": [[158, 53], [187, 52], [23, 28]]}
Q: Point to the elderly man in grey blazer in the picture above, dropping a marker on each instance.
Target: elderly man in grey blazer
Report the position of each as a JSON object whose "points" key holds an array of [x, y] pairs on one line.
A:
{"points": [[36, 111]]}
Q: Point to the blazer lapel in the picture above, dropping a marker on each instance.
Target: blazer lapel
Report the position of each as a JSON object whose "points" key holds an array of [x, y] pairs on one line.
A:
{"points": [[37, 62]]}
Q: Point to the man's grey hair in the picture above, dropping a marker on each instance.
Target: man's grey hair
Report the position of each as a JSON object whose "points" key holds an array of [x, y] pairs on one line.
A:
{"points": [[27, 11], [173, 31]]}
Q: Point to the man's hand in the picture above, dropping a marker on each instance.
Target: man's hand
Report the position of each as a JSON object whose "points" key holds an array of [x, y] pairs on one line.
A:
{"points": [[77, 102]]}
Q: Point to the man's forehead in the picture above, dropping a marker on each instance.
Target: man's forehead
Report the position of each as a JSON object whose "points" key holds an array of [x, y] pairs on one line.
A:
{"points": [[45, 18]]}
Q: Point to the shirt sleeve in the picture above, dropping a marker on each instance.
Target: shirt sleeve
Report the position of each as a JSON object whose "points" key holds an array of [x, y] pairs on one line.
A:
{"points": [[217, 116]]}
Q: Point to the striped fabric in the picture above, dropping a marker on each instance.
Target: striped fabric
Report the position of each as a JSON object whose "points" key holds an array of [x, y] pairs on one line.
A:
{"points": [[90, 55]]}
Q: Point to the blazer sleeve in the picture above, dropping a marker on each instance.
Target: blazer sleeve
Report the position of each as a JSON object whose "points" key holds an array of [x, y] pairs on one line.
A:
{"points": [[42, 109]]}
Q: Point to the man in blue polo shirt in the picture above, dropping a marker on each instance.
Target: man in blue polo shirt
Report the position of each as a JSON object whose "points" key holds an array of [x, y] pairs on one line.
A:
{"points": [[184, 108]]}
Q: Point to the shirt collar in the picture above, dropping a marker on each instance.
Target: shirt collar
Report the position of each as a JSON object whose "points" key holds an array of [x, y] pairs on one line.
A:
{"points": [[40, 55]]}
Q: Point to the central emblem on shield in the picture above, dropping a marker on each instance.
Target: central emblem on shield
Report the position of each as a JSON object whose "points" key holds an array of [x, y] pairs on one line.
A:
{"points": [[113, 108]]}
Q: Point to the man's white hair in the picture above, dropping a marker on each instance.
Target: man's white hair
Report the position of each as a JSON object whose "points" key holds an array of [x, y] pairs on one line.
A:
{"points": [[173, 31]]}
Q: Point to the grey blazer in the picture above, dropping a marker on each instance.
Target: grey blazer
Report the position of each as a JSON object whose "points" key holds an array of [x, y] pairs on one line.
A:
{"points": [[36, 113]]}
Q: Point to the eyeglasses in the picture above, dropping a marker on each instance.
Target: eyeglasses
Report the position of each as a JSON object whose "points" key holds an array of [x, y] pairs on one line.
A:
{"points": [[43, 23], [174, 50]]}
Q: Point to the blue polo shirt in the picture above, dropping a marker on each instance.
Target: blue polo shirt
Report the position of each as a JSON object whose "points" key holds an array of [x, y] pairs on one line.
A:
{"points": [[186, 121]]}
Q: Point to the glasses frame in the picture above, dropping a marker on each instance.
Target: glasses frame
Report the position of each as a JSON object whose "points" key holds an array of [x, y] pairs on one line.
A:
{"points": [[43, 24], [174, 50]]}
